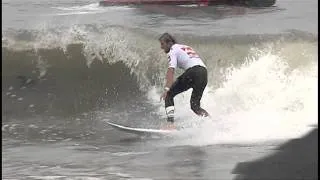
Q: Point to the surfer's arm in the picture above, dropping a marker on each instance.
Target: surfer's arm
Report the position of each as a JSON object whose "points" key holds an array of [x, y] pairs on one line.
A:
{"points": [[169, 82], [169, 78], [172, 61]]}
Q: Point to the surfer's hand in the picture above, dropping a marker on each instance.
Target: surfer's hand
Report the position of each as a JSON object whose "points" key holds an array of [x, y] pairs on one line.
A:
{"points": [[164, 95]]}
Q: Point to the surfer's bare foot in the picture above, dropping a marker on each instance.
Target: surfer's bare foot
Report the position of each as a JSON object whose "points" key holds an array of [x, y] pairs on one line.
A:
{"points": [[169, 126]]}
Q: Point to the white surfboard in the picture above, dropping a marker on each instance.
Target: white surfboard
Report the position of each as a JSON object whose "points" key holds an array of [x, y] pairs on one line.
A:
{"points": [[141, 131]]}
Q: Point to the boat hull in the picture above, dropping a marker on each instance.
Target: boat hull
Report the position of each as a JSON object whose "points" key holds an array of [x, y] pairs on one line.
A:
{"points": [[253, 3]]}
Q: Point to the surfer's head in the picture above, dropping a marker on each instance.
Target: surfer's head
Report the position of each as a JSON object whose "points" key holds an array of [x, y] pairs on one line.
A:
{"points": [[166, 41]]}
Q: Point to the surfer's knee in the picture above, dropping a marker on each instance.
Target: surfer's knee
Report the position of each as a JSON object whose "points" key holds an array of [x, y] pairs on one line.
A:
{"points": [[169, 100], [170, 94]]}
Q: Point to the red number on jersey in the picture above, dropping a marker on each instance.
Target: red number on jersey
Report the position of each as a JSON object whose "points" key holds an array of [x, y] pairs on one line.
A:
{"points": [[190, 52]]}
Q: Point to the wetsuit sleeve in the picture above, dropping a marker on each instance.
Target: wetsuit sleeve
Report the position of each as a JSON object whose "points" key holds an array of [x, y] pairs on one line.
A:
{"points": [[172, 60]]}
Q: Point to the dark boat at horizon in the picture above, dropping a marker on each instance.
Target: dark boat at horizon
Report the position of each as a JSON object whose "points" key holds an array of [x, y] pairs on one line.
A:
{"points": [[250, 3]]}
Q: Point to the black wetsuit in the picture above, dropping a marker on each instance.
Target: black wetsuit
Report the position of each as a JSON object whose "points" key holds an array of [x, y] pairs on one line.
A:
{"points": [[196, 78]]}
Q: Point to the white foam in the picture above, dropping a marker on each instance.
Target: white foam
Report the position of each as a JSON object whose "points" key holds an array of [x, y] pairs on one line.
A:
{"points": [[64, 177], [88, 9], [129, 153], [262, 100], [75, 13], [47, 177], [94, 6]]}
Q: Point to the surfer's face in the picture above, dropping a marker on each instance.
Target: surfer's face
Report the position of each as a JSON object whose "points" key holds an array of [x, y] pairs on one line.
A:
{"points": [[165, 46]]}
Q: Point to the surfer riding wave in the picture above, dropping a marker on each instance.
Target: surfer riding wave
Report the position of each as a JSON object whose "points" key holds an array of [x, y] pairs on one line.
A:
{"points": [[195, 76]]}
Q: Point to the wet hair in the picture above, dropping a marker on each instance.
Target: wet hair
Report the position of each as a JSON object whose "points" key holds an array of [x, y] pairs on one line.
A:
{"points": [[166, 37]]}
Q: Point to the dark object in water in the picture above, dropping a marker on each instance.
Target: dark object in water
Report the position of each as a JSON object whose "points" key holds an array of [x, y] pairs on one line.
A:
{"points": [[25, 81], [296, 159]]}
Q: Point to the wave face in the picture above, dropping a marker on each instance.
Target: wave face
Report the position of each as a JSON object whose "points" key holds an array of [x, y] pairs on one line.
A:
{"points": [[71, 71], [90, 67]]}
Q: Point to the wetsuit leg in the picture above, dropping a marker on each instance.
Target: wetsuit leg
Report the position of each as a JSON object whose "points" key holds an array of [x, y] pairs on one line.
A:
{"points": [[183, 83], [200, 80]]}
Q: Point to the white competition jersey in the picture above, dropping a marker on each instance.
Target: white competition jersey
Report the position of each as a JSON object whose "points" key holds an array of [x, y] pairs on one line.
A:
{"points": [[184, 57]]}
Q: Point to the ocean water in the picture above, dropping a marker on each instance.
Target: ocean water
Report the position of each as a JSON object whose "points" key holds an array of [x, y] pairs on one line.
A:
{"points": [[68, 67]]}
